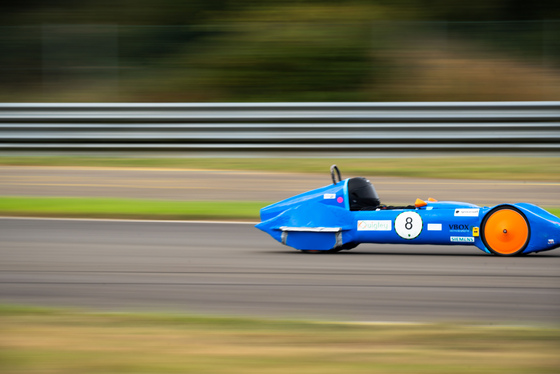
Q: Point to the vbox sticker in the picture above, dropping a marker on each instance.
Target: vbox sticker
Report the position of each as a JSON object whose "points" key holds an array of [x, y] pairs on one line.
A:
{"points": [[459, 227]]}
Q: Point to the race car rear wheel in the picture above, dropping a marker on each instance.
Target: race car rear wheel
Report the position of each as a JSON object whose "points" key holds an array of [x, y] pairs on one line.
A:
{"points": [[505, 231]]}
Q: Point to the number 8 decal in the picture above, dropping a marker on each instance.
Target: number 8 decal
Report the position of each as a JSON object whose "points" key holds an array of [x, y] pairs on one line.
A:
{"points": [[408, 225]]}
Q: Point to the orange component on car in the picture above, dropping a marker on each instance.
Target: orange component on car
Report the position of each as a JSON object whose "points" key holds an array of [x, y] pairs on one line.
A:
{"points": [[506, 231]]}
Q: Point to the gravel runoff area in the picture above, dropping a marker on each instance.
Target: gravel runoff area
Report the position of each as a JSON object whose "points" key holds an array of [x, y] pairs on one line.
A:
{"points": [[208, 185]]}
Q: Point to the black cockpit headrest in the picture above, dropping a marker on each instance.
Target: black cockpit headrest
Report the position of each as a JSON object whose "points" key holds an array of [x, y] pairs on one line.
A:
{"points": [[362, 195]]}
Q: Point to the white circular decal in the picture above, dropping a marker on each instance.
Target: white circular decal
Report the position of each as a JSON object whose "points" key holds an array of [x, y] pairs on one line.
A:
{"points": [[408, 225]]}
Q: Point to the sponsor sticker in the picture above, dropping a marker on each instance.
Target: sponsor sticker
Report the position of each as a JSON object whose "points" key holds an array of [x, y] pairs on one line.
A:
{"points": [[462, 239], [329, 196], [550, 241], [466, 212], [475, 231], [374, 225], [434, 226]]}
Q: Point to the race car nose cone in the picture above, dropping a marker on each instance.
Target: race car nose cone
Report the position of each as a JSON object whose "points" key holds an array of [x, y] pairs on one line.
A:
{"points": [[554, 240], [263, 227]]}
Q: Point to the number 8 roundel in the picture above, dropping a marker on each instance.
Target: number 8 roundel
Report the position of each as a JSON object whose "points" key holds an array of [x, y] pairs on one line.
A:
{"points": [[408, 225]]}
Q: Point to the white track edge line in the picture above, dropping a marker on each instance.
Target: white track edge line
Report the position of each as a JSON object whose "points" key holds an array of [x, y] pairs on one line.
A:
{"points": [[127, 220]]}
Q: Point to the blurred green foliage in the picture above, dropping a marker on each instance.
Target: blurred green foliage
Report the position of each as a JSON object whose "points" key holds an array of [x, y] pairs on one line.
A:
{"points": [[243, 50], [299, 62], [178, 12]]}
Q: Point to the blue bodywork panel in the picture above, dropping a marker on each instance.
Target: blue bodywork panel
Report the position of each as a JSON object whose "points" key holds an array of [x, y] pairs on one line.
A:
{"points": [[321, 220]]}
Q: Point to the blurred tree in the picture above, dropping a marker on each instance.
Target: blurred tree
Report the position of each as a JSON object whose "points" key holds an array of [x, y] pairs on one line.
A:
{"points": [[180, 12], [267, 50], [287, 61]]}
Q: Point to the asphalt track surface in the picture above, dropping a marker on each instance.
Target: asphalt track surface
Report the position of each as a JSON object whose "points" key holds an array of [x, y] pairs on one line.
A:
{"points": [[257, 186], [234, 269]]}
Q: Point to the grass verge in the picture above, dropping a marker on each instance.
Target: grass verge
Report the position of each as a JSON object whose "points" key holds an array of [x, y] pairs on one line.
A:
{"points": [[129, 208], [491, 168], [77, 207], [66, 341]]}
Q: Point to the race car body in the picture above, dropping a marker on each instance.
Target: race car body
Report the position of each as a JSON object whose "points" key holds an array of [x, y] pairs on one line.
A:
{"points": [[348, 212]]}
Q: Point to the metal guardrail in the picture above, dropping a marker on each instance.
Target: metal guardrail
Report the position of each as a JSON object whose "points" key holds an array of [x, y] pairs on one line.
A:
{"points": [[348, 127]]}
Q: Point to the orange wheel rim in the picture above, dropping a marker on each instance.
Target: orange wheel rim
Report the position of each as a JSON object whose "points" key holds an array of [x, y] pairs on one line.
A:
{"points": [[506, 231]]}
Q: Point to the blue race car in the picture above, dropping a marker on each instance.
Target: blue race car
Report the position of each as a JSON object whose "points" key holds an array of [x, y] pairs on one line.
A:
{"points": [[348, 212]]}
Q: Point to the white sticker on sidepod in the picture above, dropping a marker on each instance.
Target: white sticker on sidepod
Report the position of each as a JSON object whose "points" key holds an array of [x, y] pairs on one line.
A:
{"points": [[329, 196], [466, 212], [462, 239], [374, 225], [434, 226], [408, 225]]}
